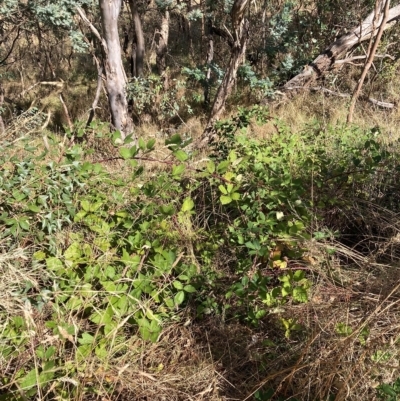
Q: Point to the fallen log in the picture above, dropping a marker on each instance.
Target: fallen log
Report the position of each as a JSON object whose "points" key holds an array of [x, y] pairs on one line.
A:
{"points": [[326, 60]]}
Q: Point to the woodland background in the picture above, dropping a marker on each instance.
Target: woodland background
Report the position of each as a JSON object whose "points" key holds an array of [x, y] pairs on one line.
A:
{"points": [[199, 200]]}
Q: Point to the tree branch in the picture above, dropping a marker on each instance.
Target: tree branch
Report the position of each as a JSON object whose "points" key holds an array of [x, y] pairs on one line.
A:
{"points": [[371, 53]]}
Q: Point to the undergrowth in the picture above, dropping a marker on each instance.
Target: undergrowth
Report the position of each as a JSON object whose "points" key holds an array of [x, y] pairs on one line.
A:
{"points": [[243, 275]]}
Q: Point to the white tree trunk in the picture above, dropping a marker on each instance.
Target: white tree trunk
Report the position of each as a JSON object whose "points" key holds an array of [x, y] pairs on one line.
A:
{"points": [[115, 74]]}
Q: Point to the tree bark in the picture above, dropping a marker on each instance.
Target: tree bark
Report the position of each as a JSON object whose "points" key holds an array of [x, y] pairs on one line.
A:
{"points": [[2, 126], [326, 60], [139, 49], [210, 58], [162, 45], [115, 74], [241, 29]]}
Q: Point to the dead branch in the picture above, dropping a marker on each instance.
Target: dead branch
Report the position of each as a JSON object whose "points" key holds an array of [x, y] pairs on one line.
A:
{"points": [[98, 92], [372, 48], [378, 103], [385, 105], [351, 59], [96, 33], [70, 125], [327, 59]]}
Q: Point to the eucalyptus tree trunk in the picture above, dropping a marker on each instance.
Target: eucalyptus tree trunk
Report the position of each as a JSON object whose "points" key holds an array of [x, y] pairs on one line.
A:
{"points": [[2, 126], [240, 35], [162, 45], [139, 48], [210, 58], [114, 70]]}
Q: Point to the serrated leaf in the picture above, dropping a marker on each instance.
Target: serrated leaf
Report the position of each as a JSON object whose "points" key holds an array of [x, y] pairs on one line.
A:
{"points": [[29, 380], [300, 294], [84, 350], [149, 330]]}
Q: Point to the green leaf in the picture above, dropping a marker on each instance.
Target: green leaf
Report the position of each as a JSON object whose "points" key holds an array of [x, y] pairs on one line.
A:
{"points": [[343, 329], [178, 170], [30, 380], [86, 339], [179, 297], [150, 144], [178, 285], [174, 140], [300, 294], [223, 166], [84, 350], [134, 151], [50, 352], [47, 374], [223, 190], [39, 255], [85, 204], [181, 155], [189, 288], [211, 167], [235, 196], [142, 144], [225, 199], [73, 252], [149, 330], [168, 210], [54, 264], [24, 224], [286, 290], [188, 205], [298, 275], [125, 153], [34, 208]]}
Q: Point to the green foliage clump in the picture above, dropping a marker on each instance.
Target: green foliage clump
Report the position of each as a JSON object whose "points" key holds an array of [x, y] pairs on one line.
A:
{"points": [[125, 253], [389, 392]]}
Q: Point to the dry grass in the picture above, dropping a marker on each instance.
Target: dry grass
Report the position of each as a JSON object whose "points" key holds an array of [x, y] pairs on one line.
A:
{"points": [[219, 360]]}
